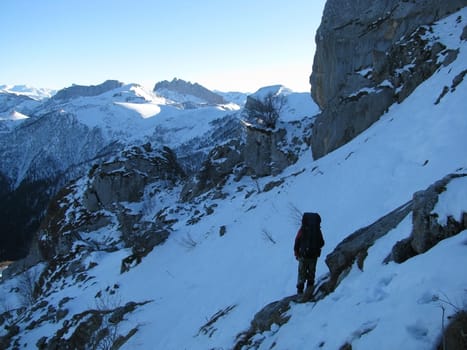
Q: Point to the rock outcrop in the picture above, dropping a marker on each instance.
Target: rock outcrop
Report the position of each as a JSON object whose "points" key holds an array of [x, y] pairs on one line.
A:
{"points": [[183, 88], [265, 153], [258, 152], [427, 229], [455, 334], [267, 150], [368, 56], [75, 91], [106, 189], [426, 232], [124, 180], [354, 248], [219, 165], [274, 313], [262, 144]]}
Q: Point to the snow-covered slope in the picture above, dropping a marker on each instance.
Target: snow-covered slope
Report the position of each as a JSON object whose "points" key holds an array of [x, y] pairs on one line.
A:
{"points": [[385, 306], [238, 98], [125, 115], [191, 96], [14, 107], [29, 91], [229, 256]]}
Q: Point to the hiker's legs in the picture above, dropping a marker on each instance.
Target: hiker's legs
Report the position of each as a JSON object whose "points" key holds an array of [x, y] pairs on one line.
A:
{"points": [[302, 275], [310, 273]]}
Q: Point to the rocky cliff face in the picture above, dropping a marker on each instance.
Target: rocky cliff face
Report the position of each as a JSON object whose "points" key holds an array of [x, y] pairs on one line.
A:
{"points": [[258, 152], [102, 202], [179, 87], [368, 56], [86, 91]]}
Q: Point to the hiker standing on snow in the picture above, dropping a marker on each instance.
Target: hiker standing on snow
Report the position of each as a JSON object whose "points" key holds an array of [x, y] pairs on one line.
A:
{"points": [[307, 249]]}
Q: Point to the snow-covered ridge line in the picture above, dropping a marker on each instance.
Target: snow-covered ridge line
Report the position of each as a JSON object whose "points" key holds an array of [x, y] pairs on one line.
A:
{"points": [[25, 90]]}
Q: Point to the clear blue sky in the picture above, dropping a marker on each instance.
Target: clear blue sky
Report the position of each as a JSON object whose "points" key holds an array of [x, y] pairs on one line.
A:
{"points": [[226, 45]]}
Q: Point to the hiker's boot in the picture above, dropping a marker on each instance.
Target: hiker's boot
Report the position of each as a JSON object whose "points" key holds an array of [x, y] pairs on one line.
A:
{"points": [[310, 286], [300, 288], [308, 295]]}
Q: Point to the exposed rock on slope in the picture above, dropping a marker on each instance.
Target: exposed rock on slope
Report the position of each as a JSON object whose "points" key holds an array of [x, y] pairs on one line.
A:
{"points": [[260, 152], [368, 56], [265, 153], [124, 180], [101, 203], [75, 91], [354, 249], [219, 165], [426, 232], [181, 87], [428, 227]]}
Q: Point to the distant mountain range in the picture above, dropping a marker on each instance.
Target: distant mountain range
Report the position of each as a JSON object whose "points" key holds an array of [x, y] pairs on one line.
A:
{"points": [[25, 90], [47, 142]]}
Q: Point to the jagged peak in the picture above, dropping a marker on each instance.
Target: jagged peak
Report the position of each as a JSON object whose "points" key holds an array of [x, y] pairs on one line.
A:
{"points": [[75, 91], [272, 90], [182, 91]]}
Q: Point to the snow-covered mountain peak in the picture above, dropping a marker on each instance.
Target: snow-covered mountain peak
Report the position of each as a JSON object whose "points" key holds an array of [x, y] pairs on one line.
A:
{"points": [[190, 95], [76, 91], [15, 107], [29, 91], [273, 90]]}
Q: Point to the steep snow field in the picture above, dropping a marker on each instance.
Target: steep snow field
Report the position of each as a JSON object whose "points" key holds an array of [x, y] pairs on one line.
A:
{"points": [[351, 188], [198, 272]]}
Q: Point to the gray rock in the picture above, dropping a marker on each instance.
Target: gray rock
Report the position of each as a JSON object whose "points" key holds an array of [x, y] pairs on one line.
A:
{"points": [[464, 33], [426, 232], [354, 247], [124, 180], [383, 36], [273, 313], [75, 91], [263, 153], [182, 87], [401, 251], [121, 180], [426, 229], [221, 162], [454, 336]]}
